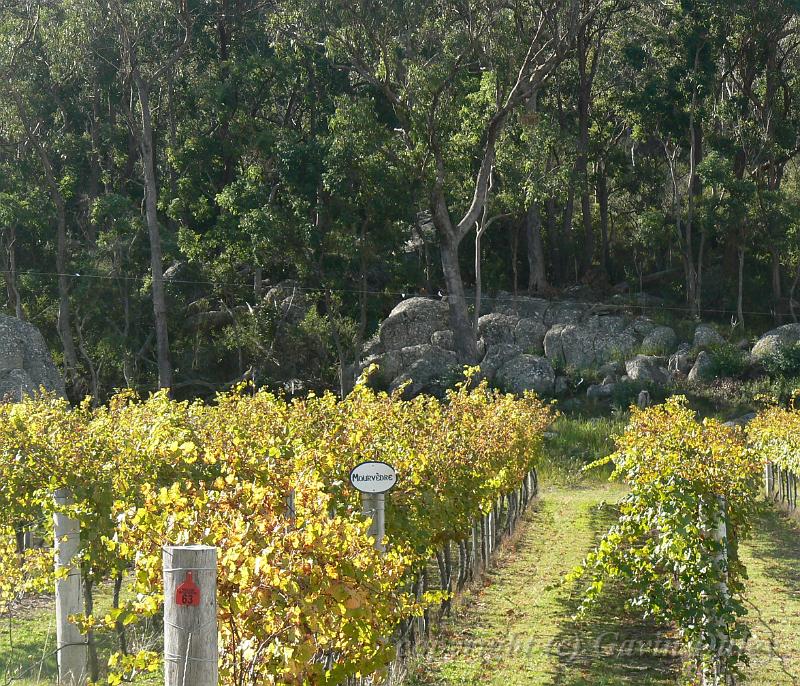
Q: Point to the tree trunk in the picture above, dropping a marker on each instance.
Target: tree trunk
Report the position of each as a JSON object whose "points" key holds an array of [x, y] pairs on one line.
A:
{"points": [[154, 232], [465, 343], [566, 230], [362, 294], [10, 263], [582, 173], [537, 271], [96, 171], [514, 257], [602, 202], [740, 288], [775, 272], [555, 241], [258, 283], [476, 315], [64, 323], [586, 72], [695, 189], [64, 314]]}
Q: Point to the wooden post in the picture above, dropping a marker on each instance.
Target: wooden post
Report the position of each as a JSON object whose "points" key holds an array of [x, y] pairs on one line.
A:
{"points": [[721, 537], [715, 672], [768, 485], [71, 644], [190, 616]]}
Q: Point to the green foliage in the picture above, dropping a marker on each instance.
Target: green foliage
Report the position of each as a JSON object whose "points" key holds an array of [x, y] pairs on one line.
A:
{"points": [[573, 442], [305, 141], [774, 434], [784, 362], [728, 361], [686, 478], [311, 590]]}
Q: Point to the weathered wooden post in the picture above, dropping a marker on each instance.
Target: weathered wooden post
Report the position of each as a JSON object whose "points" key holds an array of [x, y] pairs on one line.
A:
{"points": [[716, 673], [190, 616], [373, 480], [71, 644]]}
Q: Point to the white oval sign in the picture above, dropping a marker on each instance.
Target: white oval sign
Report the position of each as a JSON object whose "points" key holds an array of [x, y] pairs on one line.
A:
{"points": [[373, 477]]}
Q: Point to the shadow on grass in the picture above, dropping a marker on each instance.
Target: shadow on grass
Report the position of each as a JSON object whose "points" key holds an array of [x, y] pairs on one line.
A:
{"points": [[611, 645], [776, 545]]}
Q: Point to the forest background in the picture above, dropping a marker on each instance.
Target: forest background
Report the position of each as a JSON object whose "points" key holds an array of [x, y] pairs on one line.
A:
{"points": [[196, 192]]}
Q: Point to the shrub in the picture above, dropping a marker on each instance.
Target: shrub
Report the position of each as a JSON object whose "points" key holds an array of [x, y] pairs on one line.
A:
{"points": [[784, 362], [727, 360]]}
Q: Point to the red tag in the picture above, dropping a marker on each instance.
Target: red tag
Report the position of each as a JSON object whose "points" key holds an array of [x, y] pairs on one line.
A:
{"points": [[188, 593]]}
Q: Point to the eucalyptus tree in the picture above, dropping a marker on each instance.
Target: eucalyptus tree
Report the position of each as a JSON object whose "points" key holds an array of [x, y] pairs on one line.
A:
{"points": [[758, 127], [152, 35], [437, 65]]}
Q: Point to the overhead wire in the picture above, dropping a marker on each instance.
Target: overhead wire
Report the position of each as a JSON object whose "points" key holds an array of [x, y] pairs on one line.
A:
{"points": [[384, 293]]}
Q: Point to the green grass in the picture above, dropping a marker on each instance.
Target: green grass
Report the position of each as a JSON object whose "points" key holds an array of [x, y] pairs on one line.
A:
{"points": [[772, 557], [27, 641], [573, 442], [517, 629]]}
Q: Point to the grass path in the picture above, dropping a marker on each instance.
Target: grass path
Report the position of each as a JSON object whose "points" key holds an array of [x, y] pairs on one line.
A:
{"points": [[517, 629], [772, 558]]}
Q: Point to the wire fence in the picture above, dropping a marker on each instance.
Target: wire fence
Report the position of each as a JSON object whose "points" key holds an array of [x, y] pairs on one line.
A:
{"points": [[396, 294]]}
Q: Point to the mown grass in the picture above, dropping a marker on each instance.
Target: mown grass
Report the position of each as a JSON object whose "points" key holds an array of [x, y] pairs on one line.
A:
{"points": [[518, 628], [772, 557]]}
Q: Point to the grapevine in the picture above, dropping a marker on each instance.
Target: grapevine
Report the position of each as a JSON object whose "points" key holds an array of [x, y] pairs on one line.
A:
{"points": [[304, 597], [693, 488]]}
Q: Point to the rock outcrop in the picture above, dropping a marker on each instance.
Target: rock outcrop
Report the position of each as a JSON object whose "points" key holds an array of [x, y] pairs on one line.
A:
{"points": [[706, 336], [432, 372], [497, 328], [662, 340], [703, 368], [590, 343], [680, 362], [521, 341], [647, 369], [25, 362], [413, 322], [532, 343], [526, 373], [773, 341]]}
